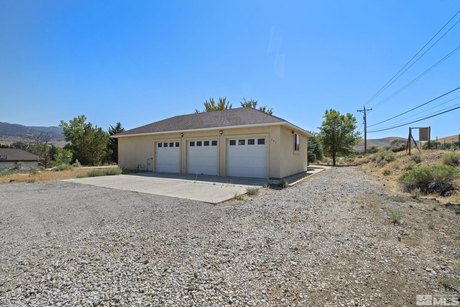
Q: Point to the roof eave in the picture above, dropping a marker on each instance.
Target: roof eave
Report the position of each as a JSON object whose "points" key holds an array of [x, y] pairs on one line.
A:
{"points": [[215, 128]]}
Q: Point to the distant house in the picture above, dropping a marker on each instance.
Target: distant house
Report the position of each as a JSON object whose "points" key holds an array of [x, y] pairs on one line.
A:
{"points": [[241, 142], [11, 158]]}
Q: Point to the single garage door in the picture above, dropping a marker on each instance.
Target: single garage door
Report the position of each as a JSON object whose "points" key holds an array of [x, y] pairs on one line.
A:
{"points": [[167, 157], [202, 157], [247, 157]]}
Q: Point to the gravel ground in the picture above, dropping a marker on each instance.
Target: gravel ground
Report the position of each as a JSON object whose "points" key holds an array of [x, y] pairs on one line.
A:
{"points": [[328, 241]]}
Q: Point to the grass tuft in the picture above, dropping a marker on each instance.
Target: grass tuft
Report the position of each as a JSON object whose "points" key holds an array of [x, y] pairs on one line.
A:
{"points": [[110, 171], [252, 191], [239, 196], [448, 283]]}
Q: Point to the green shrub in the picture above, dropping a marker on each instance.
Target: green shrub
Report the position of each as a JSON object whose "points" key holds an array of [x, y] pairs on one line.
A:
{"points": [[416, 158], [283, 184], [452, 159], [63, 156], [446, 146], [62, 167], [386, 156], [18, 166], [410, 165], [395, 216], [429, 179], [314, 149], [398, 145], [109, 171], [372, 150], [252, 191]]}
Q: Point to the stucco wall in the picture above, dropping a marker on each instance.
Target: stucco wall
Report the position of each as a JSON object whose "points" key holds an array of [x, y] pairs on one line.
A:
{"points": [[291, 161], [137, 152]]}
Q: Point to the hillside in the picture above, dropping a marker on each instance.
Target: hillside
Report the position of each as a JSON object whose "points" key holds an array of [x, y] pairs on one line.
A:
{"points": [[378, 143], [10, 133], [450, 139]]}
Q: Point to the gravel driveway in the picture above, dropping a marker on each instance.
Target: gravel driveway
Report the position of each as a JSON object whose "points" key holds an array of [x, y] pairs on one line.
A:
{"points": [[325, 242]]}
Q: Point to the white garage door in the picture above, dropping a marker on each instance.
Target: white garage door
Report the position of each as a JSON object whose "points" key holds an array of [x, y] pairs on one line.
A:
{"points": [[247, 157], [167, 157], [202, 157]]}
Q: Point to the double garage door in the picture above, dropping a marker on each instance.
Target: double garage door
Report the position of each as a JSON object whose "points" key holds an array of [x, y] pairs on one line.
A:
{"points": [[246, 157]]}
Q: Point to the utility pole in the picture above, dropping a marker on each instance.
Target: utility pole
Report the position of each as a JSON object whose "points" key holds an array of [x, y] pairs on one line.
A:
{"points": [[364, 111]]}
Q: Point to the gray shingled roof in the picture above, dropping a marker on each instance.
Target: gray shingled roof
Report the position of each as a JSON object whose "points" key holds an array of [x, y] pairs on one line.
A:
{"points": [[12, 154], [205, 120]]}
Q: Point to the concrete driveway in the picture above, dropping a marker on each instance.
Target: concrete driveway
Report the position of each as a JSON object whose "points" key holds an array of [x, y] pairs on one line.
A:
{"points": [[207, 189]]}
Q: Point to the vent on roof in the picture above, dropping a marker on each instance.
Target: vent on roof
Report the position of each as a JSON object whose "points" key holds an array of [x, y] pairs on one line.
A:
{"points": [[3, 157]]}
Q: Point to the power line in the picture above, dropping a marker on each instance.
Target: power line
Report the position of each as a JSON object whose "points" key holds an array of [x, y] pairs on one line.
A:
{"points": [[403, 69], [425, 111], [419, 76], [412, 64], [414, 108], [415, 121]]}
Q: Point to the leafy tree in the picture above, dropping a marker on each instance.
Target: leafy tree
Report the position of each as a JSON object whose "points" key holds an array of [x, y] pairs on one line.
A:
{"points": [[113, 142], [338, 134], [210, 105], [63, 156], [88, 144], [251, 103], [41, 147], [315, 149]]}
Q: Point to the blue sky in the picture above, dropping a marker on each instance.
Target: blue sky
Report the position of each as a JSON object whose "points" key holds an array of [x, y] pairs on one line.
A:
{"points": [[141, 61]]}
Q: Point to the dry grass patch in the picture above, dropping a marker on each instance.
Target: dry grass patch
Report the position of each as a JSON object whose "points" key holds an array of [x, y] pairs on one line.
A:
{"points": [[252, 191], [49, 175]]}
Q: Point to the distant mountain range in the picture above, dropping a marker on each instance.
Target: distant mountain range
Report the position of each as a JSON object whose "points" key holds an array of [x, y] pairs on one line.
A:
{"points": [[10, 133]]}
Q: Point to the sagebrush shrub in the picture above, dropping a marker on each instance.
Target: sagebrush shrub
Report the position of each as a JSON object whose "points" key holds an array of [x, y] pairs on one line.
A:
{"points": [[452, 159], [437, 179], [387, 156], [416, 158]]}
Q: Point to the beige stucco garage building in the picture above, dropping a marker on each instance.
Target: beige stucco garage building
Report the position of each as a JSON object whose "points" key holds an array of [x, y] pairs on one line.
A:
{"points": [[241, 142]]}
